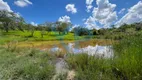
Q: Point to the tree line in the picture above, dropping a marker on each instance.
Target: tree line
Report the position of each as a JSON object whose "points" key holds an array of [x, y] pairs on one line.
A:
{"points": [[10, 21]]}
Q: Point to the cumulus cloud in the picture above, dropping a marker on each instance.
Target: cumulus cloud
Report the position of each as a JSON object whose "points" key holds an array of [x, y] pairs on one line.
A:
{"points": [[121, 11], [4, 6], [103, 14], [34, 24], [64, 19], [91, 24], [134, 15], [22, 3], [71, 8], [89, 5]]}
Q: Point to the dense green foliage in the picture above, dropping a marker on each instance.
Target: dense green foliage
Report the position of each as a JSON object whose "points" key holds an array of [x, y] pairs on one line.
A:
{"points": [[80, 31], [10, 21], [119, 33]]}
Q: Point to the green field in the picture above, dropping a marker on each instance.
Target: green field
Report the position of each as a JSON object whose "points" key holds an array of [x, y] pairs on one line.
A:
{"points": [[25, 36]]}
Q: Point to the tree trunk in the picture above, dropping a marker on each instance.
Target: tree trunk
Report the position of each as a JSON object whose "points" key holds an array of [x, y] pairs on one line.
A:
{"points": [[59, 32], [6, 27], [32, 33]]}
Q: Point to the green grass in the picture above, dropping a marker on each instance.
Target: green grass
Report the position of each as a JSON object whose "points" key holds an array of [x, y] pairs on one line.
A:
{"points": [[129, 57], [25, 64], [26, 36], [126, 64], [90, 68]]}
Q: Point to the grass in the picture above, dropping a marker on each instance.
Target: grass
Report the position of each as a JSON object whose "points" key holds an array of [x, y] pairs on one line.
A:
{"points": [[129, 60], [25, 36], [90, 68], [24, 64], [126, 64]]}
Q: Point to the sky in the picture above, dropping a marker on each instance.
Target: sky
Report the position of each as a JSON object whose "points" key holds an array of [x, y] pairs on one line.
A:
{"points": [[89, 13]]}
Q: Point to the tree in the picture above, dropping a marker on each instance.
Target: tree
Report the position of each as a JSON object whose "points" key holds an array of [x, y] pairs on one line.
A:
{"points": [[138, 26], [80, 31], [63, 27], [95, 32], [48, 27], [9, 18], [123, 27], [5, 19], [102, 31], [1, 26], [31, 29]]}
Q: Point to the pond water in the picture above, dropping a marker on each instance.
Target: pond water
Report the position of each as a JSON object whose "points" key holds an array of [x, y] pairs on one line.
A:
{"points": [[93, 50], [93, 47]]}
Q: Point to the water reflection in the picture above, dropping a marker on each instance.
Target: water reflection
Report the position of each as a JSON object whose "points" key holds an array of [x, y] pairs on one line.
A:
{"points": [[99, 51]]}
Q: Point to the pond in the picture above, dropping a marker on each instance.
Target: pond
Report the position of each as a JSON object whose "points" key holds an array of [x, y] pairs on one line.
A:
{"points": [[99, 51], [80, 47], [93, 47]]}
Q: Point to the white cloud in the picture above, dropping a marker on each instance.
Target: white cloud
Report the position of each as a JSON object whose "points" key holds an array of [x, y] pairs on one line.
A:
{"points": [[34, 24], [71, 8], [89, 5], [134, 15], [104, 13], [64, 19], [90, 23], [108, 21], [4, 6], [22, 3], [121, 11]]}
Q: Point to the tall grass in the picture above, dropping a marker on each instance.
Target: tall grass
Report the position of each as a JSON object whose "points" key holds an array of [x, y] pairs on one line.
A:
{"points": [[90, 68], [129, 57], [126, 64], [25, 65]]}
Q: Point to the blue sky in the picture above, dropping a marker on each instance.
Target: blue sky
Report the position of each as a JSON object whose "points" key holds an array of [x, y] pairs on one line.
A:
{"points": [[39, 11]]}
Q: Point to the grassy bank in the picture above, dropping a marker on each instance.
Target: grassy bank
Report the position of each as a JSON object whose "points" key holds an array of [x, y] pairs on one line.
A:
{"points": [[126, 64]]}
